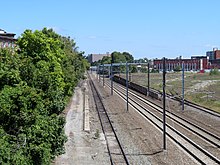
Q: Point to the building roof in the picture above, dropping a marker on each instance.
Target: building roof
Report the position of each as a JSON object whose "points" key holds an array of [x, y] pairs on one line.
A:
{"points": [[4, 33], [8, 36]]}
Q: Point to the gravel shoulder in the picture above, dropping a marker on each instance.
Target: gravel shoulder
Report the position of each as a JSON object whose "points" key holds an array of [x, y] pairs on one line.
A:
{"points": [[82, 147]]}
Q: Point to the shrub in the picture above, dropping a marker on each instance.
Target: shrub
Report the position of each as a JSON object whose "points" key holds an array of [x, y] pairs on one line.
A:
{"points": [[214, 71]]}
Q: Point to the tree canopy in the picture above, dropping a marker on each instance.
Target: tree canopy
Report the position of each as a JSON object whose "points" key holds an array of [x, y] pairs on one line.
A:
{"points": [[117, 58], [36, 81]]}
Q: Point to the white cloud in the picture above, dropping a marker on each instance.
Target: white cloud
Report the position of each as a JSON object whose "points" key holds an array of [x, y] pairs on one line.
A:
{"points": [[92, 37]]}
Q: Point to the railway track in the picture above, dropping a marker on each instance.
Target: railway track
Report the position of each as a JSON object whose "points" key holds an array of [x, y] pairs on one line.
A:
{"points": [[115, 150], [191, 104], [174, 98], [202, 145]]}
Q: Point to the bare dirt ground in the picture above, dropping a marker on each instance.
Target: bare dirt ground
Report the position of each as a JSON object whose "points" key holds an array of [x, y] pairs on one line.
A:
{"points": [[82, 147], [201, 86], [141, 141]]}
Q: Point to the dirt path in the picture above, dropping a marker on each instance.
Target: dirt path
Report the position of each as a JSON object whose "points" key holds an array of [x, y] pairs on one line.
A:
{"points": [[82, 147]]}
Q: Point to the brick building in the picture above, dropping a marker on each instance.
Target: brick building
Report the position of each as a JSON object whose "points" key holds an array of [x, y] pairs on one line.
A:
{"points": [[217, 54], [196, 63], [214, 58], [7, 39], [193, 64]]}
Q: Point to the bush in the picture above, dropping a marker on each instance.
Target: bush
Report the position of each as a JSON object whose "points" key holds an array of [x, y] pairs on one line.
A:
{"points": [[154, 71], [177, 69], [214, 71]]}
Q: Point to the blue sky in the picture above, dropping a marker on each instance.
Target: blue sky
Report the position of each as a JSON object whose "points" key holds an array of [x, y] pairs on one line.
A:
{"points": [[144, 28]]}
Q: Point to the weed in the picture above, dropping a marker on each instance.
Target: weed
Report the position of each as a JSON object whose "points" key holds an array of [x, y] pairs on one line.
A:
{"points": [[97, 134], [214, 72]]}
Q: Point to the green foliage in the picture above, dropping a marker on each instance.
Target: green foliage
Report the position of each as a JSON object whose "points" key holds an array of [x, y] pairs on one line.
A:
{"points": [[35, 83], [154, 71], [144, 69], [128, 57], [117, 58], [214, 71], [9, 68], [133, 69], [97, 134], [177, 68], [141, 60]]}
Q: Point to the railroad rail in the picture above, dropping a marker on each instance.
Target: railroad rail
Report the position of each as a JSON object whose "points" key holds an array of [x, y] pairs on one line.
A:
{"points": [[114, 147], [192, 138], [157, 95]]}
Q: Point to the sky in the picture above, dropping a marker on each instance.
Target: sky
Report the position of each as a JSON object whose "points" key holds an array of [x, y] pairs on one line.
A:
{"points": [[144, 28]]}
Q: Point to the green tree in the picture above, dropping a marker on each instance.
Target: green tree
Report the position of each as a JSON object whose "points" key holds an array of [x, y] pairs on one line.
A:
{"points": [[106, 60], [46, 55], [35, 84], [129, 58], [9, 68], [118, 57]]}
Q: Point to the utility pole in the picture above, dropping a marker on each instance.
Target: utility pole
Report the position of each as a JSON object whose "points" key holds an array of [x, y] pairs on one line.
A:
{"points": [[120, 70], [164, 104], [99, 72], [112, 61], [129, 75], [103, 75], [183, 86], [148, 78], [127, 84]]}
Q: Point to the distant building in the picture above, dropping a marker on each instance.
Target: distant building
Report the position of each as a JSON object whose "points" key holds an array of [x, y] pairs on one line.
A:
{"points": [[217, 54], [198, 57], [96, 57], [196, 63], [214, 57], [211, 55], [7, 39], [193, 64]]}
